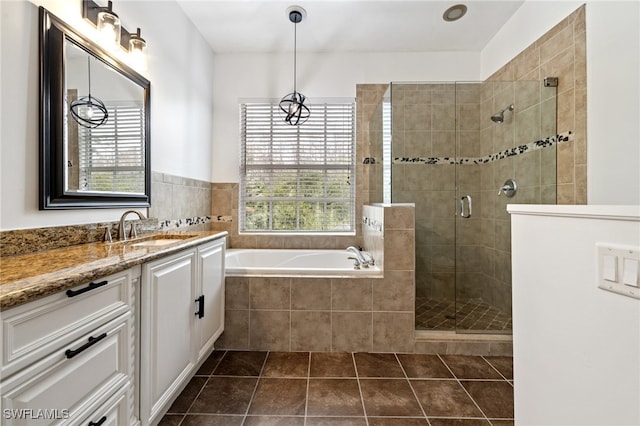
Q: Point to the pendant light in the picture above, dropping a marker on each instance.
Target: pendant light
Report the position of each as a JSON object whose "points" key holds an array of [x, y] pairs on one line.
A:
{"points": [[89, 111], [292, 105]]}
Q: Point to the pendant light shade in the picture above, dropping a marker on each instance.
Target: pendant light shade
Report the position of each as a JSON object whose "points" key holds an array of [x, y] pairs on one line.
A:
{"points": [[89, 111], [292, 106]]}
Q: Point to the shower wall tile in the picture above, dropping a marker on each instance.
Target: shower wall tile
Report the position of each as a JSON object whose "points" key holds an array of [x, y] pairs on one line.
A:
{"points": [[561, 52]]}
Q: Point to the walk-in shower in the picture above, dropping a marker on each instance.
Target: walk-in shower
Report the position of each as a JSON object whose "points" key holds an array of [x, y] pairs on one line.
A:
{"points": [[443, 150]]}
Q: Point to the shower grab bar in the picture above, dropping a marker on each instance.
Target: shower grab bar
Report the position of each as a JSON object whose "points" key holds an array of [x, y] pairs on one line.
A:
{"points": [[469, 206]]}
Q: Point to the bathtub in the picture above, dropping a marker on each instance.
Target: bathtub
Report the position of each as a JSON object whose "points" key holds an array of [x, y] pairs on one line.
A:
{"points": [[286, 263]]}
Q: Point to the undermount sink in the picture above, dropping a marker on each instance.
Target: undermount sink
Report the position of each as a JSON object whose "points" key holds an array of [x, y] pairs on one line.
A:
{"points": [[157, 240], [156, 243]]}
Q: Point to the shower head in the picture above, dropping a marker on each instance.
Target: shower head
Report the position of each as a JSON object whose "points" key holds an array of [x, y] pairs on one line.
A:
{"points": [[498, 117]]}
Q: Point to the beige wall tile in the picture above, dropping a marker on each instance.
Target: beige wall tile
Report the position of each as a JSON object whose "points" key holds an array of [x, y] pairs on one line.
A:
{"points": [[399, 250], [351, 332], [395, 292], [311, 331], [269, 331], [270, 293], [236, 331], [393, 331], [351, 294], [236, 293], [311, 294]]}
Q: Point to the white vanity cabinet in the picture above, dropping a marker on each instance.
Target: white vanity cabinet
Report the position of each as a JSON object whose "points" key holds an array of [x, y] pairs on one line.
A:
{"points": [[182, 314], [69, 358]]}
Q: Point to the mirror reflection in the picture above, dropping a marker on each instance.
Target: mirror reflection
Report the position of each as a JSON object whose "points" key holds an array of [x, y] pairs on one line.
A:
{"points": [[105, 127]]}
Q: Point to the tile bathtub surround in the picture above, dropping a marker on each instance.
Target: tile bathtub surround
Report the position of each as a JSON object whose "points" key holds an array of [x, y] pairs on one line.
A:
{"points": [[319, 388], [332, 314]]}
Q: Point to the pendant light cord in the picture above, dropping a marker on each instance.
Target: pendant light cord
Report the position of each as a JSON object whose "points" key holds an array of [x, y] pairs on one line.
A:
{"points": [[295, 26], [89, 74]]}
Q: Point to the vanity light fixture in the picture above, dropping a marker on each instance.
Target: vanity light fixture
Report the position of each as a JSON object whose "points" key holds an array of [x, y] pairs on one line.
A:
{"points": [[112, 33], [292, 105], [89, 111], [136, 49], [454, 12]]}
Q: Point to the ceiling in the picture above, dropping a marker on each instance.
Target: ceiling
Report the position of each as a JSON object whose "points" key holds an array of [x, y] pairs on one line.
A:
{"points": [[232, 26]]}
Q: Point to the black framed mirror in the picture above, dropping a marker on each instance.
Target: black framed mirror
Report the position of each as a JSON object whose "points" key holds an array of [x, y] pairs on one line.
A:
{"points": [[94, 124]]}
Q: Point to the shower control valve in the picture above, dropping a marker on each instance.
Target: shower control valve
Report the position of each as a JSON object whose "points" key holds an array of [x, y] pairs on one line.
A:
{"points": [[509, 188]]}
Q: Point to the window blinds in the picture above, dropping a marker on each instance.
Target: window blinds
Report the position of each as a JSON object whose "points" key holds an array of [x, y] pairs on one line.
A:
{"points": [[297, 178], [112, 155]]}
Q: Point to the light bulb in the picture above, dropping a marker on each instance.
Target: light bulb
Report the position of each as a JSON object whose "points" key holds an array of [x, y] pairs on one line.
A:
{"points": [[108, 27]]}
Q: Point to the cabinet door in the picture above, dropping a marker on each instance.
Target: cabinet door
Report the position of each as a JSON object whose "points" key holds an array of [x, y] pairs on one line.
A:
{"points": [[167, 320], [211, 280]]}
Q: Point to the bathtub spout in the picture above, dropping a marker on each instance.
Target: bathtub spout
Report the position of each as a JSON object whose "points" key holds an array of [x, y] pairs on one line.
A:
{"points": [[360, 257], [369, 258]]}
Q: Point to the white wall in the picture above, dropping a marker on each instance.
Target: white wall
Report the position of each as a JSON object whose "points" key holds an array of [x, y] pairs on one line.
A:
{"points": [[321, 75], [576, 348], [613, 86], [180, 68]]}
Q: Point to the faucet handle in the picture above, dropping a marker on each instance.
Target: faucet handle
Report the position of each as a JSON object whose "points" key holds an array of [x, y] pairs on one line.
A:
{"points": [[356, 262], [107, 235], [133, 232]]}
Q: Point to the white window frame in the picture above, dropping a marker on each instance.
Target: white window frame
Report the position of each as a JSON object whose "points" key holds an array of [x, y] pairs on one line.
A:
{"points": [[115, 147], [262, 127]]}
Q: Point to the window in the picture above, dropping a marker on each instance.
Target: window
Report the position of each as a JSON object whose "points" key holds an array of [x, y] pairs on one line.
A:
{"points": [[112, 156], [297, 178]]}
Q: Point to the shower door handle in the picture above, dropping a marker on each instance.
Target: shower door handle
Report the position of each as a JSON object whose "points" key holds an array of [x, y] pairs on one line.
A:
{"points": [[469, 206]]}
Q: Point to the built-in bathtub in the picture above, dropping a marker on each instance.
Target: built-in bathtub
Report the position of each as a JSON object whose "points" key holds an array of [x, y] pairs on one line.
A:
{"points": [[292, 263]]}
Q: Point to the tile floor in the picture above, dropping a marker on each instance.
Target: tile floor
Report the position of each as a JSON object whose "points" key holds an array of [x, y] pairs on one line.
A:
{"points": [[467, 314], [359, 389]]}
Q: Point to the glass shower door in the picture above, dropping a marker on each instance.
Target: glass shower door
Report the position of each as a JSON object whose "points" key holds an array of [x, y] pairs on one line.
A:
{"points": [[499, 126]]}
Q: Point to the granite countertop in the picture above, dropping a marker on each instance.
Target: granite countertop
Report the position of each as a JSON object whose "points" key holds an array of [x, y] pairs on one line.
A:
{"points": [[27, 277]]}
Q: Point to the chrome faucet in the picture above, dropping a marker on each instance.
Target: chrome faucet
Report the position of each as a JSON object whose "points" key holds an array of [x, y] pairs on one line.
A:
{"points": [[363, 258], [132, 233]]}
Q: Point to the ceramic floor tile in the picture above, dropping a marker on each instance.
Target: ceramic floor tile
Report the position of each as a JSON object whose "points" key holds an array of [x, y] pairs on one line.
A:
{"points": [[224, 395], [241, 363], [334, 397], [286, 364], [377, 365], [171, 420], [422, 366], [396, 421], [188, 395], [504, 364], [336, 421], [212, 420], [332, 364], [274, 421], [389, 397], [444, 398], [459, 422], [494, 398], [210, 363], [280, 397], [470, 367]]}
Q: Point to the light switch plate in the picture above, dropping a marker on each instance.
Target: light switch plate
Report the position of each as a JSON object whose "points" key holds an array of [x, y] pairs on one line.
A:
{"points": [[615, 264]]}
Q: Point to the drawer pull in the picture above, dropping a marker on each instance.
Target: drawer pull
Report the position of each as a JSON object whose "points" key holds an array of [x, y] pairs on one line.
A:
{"points": [[91, 286], [92, 341], [99, 422]]}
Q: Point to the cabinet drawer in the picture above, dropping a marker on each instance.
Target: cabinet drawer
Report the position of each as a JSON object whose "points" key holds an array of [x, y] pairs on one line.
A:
{"points": [[71, 385], [113, 412], [34, 330]]}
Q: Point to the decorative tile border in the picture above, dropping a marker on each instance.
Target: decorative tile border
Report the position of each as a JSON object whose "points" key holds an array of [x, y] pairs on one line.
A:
{"points": [[522, 149], [374, 224]]}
